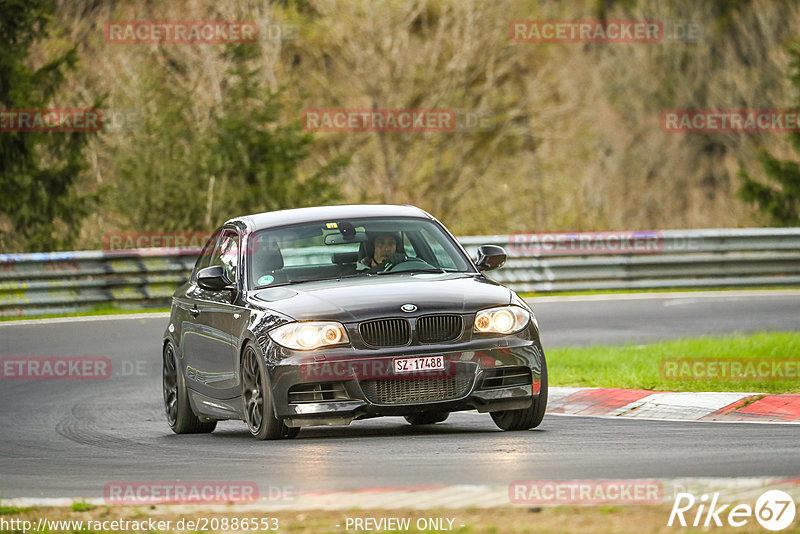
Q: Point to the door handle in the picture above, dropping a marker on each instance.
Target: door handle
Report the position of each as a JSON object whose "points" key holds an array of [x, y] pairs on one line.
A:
{"points": [[194, 311]]}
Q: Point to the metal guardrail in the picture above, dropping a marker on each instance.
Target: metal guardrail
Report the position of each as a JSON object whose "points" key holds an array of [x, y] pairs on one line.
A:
{"points": [[683, 259], [60, 282]]}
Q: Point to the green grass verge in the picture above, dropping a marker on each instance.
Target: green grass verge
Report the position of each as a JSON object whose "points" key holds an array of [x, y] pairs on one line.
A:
{"points": [[534, 294], [81, 506], [643, 366], [99, 310]]}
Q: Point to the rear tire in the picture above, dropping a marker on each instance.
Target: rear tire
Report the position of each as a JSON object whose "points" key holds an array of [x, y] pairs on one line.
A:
{"points": [[257, 399], [180, 417], [427, 418], [526, 418]]}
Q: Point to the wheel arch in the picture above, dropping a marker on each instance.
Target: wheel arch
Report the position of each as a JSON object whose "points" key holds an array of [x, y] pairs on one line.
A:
{"points": [[249, 338]]}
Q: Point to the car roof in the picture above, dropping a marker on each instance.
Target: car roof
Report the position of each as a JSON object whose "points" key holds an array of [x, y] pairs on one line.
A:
{"points": [[269, 219]]}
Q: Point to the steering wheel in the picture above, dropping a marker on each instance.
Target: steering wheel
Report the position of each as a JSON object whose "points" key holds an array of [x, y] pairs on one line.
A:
{"points": [[410, 264]]}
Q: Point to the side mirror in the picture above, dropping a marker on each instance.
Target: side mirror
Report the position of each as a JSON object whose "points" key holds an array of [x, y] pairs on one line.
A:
{"points": [[490, 257], [214, 278]]}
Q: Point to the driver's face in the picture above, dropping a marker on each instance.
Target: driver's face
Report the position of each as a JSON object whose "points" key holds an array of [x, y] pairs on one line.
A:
{"points": [[384, 247]]}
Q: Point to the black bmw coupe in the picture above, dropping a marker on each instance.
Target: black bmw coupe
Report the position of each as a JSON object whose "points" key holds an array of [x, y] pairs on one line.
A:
{"points": [[319, 316]]}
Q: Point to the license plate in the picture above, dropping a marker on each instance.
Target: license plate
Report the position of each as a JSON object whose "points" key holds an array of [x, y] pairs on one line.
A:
{"points": [[426, 363]]}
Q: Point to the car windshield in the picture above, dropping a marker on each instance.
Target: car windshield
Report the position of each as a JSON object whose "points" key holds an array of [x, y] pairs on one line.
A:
{"points": [[348, 248]]}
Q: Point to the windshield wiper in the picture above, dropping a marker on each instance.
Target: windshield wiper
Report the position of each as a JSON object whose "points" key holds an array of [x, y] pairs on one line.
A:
{"points": [[321, 279], [420, 270]]}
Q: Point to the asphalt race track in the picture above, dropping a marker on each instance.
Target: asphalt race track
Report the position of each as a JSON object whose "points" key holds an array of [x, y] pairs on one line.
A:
{"points": [[70, 438], [620, 319]]}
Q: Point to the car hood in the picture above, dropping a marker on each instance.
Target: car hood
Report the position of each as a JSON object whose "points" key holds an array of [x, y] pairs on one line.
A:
{"points": [[357, 299]]}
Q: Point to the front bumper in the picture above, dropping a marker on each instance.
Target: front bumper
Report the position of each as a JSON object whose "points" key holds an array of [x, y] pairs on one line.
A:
{"points": [[336, 388]]}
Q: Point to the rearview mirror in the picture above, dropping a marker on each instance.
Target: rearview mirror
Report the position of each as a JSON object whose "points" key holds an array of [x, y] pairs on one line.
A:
{"points": [[340, 239], [490, 257], [214, 278]]}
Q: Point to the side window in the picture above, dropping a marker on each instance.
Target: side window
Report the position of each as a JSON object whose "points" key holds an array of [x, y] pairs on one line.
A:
{"points": [[205, 256], [227, 253]]}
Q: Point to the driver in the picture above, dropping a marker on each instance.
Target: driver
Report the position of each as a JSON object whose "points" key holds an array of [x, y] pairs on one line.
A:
{"points": [[385, 250]]}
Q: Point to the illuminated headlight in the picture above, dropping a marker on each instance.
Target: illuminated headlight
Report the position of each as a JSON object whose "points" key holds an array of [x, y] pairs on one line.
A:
{"points": [[505, 320], [309, 336]]}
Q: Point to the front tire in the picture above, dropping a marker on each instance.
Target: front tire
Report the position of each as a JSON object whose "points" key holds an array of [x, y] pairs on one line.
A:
{"points": [[180, 417], [526, 418], [257, 399], [427, 418]]}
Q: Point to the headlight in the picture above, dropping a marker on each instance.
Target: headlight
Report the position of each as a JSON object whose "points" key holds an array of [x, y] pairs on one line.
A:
{"points": [[309, 336], [505, 320]]}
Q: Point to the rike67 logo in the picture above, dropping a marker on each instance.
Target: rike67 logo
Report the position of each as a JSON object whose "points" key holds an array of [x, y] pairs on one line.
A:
{"points": [[774, 510]]}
